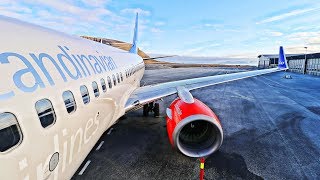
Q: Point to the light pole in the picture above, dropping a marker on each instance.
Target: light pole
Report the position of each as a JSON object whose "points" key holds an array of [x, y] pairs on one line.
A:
{"points": [[306, 52], [305, 61]]}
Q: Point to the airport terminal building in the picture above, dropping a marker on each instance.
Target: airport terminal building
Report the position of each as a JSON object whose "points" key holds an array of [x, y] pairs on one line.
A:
{"points": [[299, 63]]}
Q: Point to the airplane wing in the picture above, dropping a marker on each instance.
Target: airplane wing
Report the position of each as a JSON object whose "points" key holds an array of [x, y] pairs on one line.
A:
{"points": [[146, 94], [158, 57]]}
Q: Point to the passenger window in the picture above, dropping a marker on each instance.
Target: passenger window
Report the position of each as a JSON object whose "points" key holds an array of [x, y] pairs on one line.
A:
{"points": [[114, 79], [45, 112], [118, 78], [10, 133], [103, 85], [95, 89], [121, 77], [109, 82], [69, 101], [85, 94]]}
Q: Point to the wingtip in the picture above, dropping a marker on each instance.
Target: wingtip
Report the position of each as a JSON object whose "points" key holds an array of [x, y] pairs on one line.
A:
{"points": [[281, 48], [282, 62]]}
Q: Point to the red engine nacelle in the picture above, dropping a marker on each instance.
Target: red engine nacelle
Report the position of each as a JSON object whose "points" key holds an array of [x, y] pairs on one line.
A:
{"points": [[193, 128]]}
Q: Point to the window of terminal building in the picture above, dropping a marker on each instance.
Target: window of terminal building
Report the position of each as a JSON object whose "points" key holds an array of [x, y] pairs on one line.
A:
{"points": [[103, 85], [95, 89], [46, 113], [114, 80], [85, 94], [69, 101], [10, 132], [109, 82]]}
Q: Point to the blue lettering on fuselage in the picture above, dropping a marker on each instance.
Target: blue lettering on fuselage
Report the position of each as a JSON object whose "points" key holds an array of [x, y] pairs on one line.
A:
{"points": [[78, 69]]}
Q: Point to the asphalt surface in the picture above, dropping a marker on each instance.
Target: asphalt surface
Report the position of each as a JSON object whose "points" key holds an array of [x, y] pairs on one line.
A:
{"points": [[271, 131]]}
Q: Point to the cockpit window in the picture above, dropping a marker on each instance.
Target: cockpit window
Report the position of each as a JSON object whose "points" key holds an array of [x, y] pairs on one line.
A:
{"points": [[69, 101], [95, 89], [45, 112], [85, 94], [10, 133]]}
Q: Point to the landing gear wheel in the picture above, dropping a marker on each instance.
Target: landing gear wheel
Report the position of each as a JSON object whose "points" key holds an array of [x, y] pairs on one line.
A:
{"points": [[146, 110], [156, 110], [151, 106]]}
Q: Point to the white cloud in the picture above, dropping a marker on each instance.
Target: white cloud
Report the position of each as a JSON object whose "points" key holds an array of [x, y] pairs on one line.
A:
{"points": [[275, 33], [159, 23], [67, 16], [67, 8], [206, 26], [287, 15], [96, 3], [303, 36], [296, 42], [59, 5], [14, 7], [156, 30], [144, 45], [243, 55], [212, 25], [15, 10], [201, 48], [314, 41], [292, 49], [135, 10]]}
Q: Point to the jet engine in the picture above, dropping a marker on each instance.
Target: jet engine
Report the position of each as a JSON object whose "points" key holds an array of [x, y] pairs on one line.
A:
{"points": [[193, 128]]}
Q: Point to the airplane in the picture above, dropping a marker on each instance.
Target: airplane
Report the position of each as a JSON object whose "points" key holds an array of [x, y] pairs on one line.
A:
{"points": [[59, 93]]}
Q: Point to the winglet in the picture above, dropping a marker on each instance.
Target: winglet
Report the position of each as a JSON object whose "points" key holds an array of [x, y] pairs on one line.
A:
{"points": [[283, 64], [134, 48]]}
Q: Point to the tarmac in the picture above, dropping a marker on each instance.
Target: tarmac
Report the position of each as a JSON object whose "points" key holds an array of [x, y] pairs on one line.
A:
{"points": [[271, 131]]}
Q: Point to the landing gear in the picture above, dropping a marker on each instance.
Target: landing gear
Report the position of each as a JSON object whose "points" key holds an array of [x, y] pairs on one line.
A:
{"points": [[146, 110], [156, 110], [155, 107]]}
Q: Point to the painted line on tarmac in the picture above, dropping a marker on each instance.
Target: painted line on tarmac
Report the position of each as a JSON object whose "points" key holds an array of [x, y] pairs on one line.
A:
{"points": [[101, 143], [84, 167]]}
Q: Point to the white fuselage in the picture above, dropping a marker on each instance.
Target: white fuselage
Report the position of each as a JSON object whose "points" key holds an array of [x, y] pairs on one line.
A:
{"points": [[38, 63]]}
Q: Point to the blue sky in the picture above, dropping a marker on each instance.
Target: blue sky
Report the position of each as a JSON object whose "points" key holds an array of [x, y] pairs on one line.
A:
{"points": [[231, 28]]}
